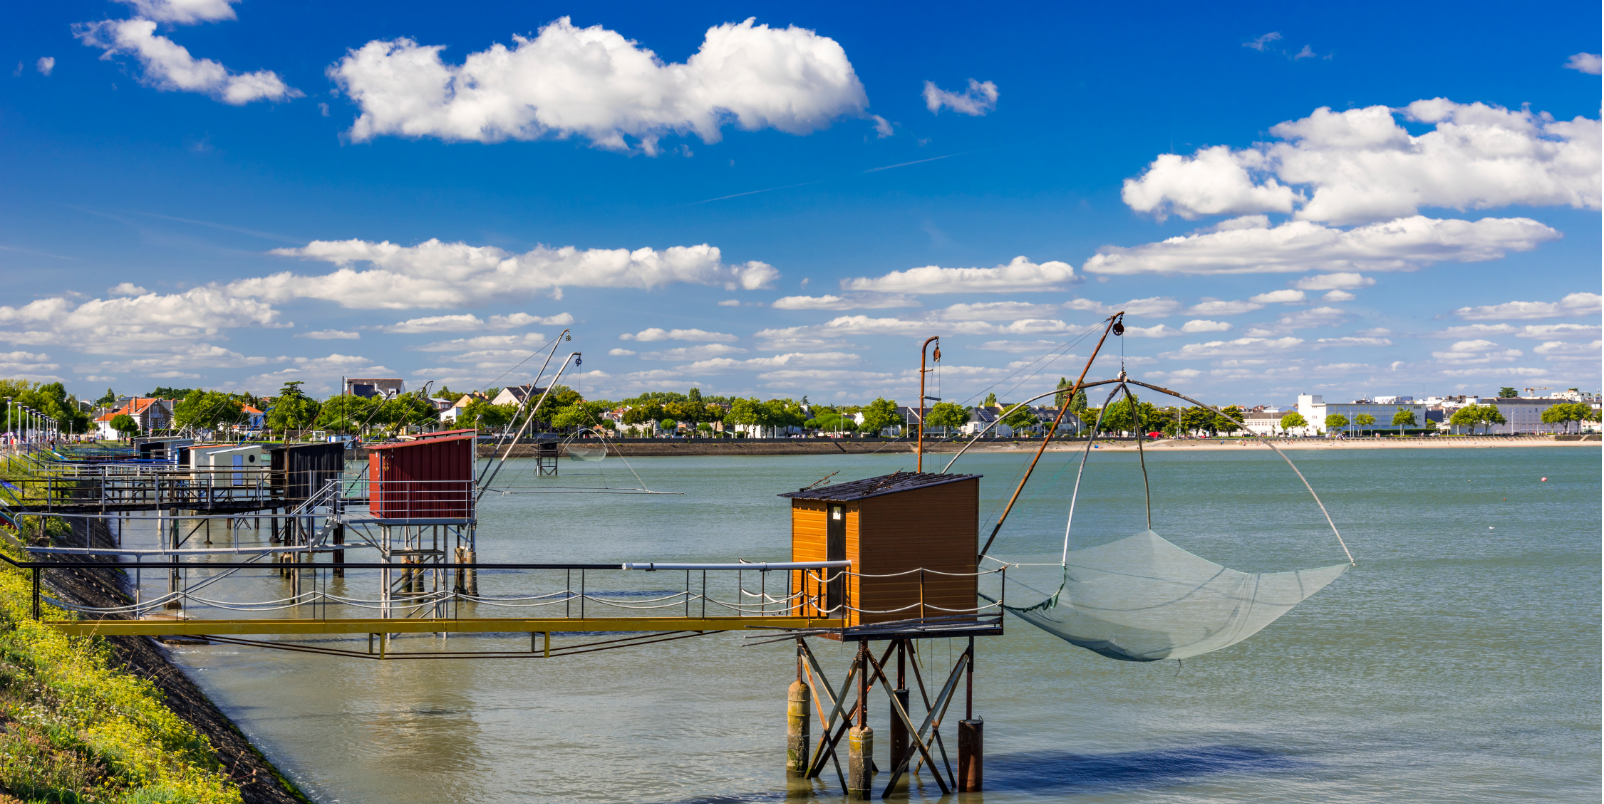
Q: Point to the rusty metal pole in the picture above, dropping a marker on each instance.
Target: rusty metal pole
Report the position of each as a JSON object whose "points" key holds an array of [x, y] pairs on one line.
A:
{"points": [[919, 444], [971, 735], [898, 730]]}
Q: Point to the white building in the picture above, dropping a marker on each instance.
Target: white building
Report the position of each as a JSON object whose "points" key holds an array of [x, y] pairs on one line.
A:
{"points": [[1315, 409], [1521, 415]]}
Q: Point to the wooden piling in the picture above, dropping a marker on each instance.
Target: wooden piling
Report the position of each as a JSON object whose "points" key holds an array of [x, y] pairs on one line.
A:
{"points": [[971, 755], [798, 699]]}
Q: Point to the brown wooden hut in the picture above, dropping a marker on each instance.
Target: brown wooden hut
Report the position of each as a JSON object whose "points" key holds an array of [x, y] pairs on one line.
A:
{"points": [[901, 532]]}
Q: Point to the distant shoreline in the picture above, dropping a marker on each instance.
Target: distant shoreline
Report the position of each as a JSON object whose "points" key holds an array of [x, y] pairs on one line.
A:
{"points": [[830, 446]]}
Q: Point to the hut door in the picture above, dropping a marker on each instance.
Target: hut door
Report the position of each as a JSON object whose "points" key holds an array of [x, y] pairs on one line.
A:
{"points": [[835, 549], [239, 465]]}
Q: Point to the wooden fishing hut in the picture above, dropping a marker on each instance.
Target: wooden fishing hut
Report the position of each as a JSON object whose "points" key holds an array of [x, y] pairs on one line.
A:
{"points": [[421, 498], [911, 539]]}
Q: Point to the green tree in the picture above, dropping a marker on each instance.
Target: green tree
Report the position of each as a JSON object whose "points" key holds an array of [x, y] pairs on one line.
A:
{"points": [[1228, 422], [106, 399], [481, 415], [125, 424], [163, 392], [1464, 417], [1566, 412], [1490, 415], [1404, 417], [1197, 419], [1507, 393], [947, 416], [1077, 408], [1292, 421], [1063, 392], [207, 410], [1020, 418], [347, 413], [1336, 421], [1123, 415], [292, 410], [1363, 420], [882, 413], [991, 401], [749, 412]]}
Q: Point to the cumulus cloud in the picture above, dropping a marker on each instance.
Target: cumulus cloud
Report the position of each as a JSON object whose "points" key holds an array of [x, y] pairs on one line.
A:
{"points": [[695, 335], [698, 352], [1219, 307], [1303, 319], [1153, 307], [183, 12], [330, 335], [1241, 347], [1476, 352], [730, 303], [1261, 42], [788, 360], [523, 343], [594, 83], [1362, 165], [859, 301], [436, 274], [169, 67], [1577, 304], [1018, 275], [1400, 245], [1339, 296], [1563, 348], [469, 323], [1339, 281], [976, 101], [1019, 346], [1472, 331], [621, 352], [28, 364], [996, 311], [1550, 331], [126, 289], [1583, 63], [1199, 325], [1279, 297], [45, 65], [123, 324]]}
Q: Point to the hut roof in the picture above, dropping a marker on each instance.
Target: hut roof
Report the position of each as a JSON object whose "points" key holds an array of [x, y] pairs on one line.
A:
{"points": [[876, 486]]}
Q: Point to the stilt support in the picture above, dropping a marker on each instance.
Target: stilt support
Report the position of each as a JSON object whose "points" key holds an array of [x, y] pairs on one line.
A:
{"points": [[971, 755], [798, 699]]}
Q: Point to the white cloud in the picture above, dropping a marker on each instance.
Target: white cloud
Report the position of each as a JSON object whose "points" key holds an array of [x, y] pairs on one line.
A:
{"points": [[826, 378], [1260, 43], [1017, 276], [1019, 346], [996, 311], [183, 12], [1218, 307], [863, 301], [976, 101], [698, 352], [1279, 297], [1199, 325], [1323, 343], [1153, 307], [127, 289], [321, 374], [1237, 348], [1551, 331], [469, 322], [695, 335], [330, 335], [789, 360], [1303, 319], [1339, 281], [1563, 348], [523, 342], [1361, 165], [45, 64], [730, 303], [595, 83], [1476, 352], [621, 352], [1472, 331], [436, 274], [1400, 245], [190, 357], [1584, 63], [169, 66], [28, 364], [882, 127], [1577, 304], [119, 325], [1339, 296]]}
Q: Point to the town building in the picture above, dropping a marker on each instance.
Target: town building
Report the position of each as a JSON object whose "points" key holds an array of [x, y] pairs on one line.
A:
{"points": [[516, 394], [1315, 409], [149, 413], [370, 387]]}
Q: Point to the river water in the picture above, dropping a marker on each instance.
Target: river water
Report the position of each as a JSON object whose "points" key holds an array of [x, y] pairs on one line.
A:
{"points": [[1458, 662]]}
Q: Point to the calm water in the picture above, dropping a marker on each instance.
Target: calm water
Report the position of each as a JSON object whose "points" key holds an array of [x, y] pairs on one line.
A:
{"points": [[1458, 662]]}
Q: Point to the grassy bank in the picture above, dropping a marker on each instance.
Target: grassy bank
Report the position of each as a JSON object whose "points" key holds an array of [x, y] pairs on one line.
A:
{"points": [[76, 728]]}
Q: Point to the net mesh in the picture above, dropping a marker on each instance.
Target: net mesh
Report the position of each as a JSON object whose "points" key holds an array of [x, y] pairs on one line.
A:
{"points": [[1142, 599]]}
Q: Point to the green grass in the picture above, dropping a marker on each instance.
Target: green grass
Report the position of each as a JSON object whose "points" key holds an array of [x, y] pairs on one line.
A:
{"points": [[75, 728]]}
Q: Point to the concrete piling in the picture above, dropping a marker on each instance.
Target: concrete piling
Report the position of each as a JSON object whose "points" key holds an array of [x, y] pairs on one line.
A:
{"points": [[860, 762], [898, 736], [798, 699], [971, 755]]}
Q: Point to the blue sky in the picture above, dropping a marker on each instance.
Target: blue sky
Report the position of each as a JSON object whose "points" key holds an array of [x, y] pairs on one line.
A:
{"points": [[1392, 199]]}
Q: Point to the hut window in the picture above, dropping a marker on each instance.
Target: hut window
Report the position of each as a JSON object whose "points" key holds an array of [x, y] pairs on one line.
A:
{"points": [[835, 513]]}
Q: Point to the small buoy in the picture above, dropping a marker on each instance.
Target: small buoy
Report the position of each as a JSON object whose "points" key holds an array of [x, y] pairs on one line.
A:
{"points": [[1489, 527], [1545, 480]]}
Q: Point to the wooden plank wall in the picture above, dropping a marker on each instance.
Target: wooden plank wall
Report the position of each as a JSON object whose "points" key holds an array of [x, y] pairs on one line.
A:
{"points": [[807, 544], [932, 528]]}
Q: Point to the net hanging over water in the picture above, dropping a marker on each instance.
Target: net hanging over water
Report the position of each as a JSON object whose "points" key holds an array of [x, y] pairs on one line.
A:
{"points": [[1143, 598]]}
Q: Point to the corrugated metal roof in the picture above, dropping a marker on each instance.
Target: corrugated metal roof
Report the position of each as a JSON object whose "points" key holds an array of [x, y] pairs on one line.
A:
{"points": [[877, 486]]}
